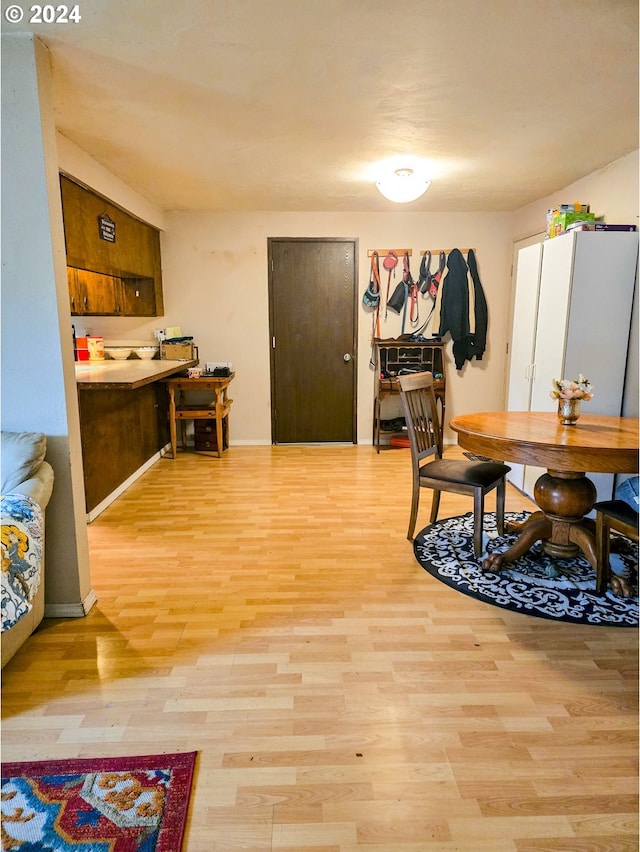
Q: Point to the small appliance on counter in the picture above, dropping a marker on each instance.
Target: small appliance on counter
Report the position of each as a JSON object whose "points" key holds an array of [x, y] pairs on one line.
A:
{"points": [[218, 369]]}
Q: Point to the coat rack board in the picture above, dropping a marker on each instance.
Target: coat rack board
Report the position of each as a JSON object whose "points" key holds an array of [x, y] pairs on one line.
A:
{"points": [[401, 251], [446, 251]]}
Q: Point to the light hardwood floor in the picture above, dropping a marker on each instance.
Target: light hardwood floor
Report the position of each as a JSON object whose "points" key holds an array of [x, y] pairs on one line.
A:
{"points": [[266, 610]]}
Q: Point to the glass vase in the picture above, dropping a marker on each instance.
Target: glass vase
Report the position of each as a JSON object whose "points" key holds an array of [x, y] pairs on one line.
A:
{"points": [[568, 411]]}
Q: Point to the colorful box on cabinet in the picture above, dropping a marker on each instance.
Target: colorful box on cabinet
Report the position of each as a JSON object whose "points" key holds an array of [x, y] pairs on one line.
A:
{"points": [[560, 218]]}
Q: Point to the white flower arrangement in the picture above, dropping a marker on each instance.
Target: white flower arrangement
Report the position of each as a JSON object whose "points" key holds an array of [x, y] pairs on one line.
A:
{"points": [[566, 389]]}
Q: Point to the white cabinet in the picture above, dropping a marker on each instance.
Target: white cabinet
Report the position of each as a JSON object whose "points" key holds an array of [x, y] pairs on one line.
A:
{"points": [[572, 312]]}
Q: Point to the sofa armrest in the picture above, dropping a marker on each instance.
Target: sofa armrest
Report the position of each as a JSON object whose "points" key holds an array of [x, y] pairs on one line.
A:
{"points": [[22, 455], [39, 486]]}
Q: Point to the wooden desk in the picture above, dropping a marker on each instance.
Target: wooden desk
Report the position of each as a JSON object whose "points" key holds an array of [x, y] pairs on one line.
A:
{"points": [[597, 444], [391, 357], [217, 410]]}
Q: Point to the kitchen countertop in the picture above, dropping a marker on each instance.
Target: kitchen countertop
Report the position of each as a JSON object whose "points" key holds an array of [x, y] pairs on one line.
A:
{"points": [[129, 374]]}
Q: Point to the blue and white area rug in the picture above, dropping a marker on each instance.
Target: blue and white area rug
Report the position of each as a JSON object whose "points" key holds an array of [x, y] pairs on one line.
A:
{"points": [[535, 584]]}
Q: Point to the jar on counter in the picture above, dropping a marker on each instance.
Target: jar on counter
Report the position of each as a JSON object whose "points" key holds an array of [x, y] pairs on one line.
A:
{"points": [[95, 345]]}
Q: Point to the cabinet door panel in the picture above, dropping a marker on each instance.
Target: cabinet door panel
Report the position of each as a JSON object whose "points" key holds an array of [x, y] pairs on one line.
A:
{"points": [[75, 300], [135, 248], [81, 210], [601, 307], [551, 330], [98, 294], [138, 297], [523, 332]]}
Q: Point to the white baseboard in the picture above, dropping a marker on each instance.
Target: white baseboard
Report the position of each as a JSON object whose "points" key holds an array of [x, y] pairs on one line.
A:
{"points": [[97, 510], [71, 610]]}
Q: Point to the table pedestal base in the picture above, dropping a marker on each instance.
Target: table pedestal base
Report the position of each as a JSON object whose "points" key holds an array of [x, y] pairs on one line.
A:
{"points": [[564, 498]]}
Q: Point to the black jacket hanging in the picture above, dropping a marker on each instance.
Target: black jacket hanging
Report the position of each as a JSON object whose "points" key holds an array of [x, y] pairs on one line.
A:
{"points": [[454, 310], [478, 340]]}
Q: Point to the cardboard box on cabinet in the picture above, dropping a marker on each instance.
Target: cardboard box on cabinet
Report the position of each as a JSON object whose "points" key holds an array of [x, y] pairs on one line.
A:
{"points": [[559, 218], [561, 222]]}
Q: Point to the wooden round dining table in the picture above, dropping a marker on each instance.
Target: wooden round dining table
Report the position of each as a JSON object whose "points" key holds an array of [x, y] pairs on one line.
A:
{"points": [[564, 494]]}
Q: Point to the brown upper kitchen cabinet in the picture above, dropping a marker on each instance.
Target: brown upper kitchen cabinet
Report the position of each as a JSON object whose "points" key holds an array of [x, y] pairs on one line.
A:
{"points": [[120, 275], [138, 297], [93, 293]]}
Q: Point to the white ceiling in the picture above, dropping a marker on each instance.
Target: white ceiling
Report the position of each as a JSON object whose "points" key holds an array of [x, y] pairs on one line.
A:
{"points": [[292, 104]]}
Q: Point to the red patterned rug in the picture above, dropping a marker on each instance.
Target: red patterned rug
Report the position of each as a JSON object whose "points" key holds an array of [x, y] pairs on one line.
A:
{"points": [[113, 804]]}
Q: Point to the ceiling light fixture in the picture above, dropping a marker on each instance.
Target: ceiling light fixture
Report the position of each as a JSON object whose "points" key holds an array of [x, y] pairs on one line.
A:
{"points": [[403, 186]]}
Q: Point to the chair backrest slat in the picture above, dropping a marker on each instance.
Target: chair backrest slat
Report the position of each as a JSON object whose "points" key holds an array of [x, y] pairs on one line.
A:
{"points": [[421, 414]]}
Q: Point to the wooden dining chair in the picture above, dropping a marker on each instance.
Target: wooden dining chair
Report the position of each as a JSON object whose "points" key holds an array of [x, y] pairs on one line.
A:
{"points": [[430, 470], [621, 517]]}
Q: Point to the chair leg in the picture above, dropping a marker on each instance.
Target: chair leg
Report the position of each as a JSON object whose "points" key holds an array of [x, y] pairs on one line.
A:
{"points": [[603, 566], [500, 497], [478, 517], [415, 498], [435, 505]]}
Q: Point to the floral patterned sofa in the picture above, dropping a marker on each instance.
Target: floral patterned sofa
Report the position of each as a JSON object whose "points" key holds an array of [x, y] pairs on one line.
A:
{"points": [[26, 486]]}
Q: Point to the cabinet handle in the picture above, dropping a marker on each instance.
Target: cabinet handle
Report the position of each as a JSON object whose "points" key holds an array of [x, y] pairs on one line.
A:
{"points": [[86, 301], [527, 371], [73, 303]]}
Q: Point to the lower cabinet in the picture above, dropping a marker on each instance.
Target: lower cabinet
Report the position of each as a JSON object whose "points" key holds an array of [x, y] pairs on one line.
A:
{"points": [[121, 429]]}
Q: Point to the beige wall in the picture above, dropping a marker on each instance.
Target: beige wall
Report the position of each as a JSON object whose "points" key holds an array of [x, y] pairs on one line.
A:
{"points": [[215, 284], [38, 379], [612, 192], [76, 163]]}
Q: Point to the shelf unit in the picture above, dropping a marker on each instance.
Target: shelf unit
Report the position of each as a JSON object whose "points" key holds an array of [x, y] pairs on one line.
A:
{"points": [[393, 357]]}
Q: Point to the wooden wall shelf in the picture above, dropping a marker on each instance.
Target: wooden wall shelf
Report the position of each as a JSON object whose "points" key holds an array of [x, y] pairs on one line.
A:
{"points": [[386, 251], [437, 251]]}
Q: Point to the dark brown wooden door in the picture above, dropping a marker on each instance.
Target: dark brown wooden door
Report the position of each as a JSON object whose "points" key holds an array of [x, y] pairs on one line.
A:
{"points": [[313, 324]]}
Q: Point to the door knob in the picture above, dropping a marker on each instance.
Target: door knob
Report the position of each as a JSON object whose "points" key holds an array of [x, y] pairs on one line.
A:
{"points": [[347, 357]]}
